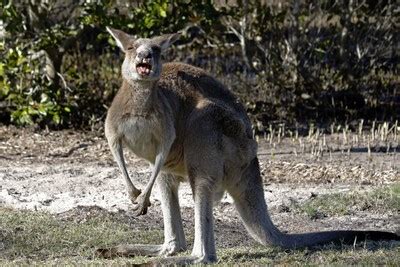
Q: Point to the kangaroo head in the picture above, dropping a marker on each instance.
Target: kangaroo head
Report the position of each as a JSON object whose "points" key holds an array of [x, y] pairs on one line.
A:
{"points": [[142, 55]]}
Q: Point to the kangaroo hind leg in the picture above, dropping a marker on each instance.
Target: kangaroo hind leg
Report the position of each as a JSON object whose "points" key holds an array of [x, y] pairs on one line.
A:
{"points": [[204, 163]]}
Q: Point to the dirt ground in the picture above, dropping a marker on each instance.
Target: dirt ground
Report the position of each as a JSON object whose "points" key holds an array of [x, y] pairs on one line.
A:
{"points": [[71, 173]]}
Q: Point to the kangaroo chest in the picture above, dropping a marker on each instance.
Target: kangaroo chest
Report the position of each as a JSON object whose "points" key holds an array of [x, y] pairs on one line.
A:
{"points": [[141, 136]]}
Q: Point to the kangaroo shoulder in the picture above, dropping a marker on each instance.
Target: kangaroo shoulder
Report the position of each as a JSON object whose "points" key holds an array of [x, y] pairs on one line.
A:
{"points": [[195, 79], [177, 69]]}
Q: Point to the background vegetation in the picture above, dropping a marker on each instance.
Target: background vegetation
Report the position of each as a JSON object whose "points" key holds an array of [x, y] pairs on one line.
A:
{"points": [[290, 62]]}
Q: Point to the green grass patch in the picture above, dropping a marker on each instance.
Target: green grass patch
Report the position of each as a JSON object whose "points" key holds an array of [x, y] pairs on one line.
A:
{"points": [[383, 200], [37, 238]]}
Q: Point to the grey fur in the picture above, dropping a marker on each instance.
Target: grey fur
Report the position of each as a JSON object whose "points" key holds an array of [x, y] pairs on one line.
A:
{"points": [[190, 127]]}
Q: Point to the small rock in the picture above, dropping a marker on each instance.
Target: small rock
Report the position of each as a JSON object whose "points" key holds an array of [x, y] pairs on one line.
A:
{"points": [[283, 208]]}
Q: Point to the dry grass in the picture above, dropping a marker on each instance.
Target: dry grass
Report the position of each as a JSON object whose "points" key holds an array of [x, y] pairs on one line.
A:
{"points": [[320, 142], [384, 200], [28, 237]]}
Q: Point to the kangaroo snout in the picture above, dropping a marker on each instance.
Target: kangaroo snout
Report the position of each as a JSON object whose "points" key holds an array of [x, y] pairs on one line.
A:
{"points": [[144, 55], [144, 62]]}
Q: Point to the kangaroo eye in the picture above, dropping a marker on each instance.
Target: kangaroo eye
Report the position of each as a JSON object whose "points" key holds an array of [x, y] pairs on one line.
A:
{"points": [[130, 48]]}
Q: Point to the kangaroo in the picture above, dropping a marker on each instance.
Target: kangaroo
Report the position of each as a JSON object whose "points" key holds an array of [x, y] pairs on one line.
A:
{"points": [[190, 127]]}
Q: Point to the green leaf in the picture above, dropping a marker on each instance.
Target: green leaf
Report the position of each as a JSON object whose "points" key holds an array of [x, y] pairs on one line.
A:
{"points": [[56, 118], [4, 88], [32, 111], [163, 13], [148, 22], [2, 69], [42, 109]]}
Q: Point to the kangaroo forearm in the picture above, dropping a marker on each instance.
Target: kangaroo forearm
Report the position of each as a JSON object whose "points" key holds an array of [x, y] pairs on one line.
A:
{"points": [[154, 173], [117, 151]]}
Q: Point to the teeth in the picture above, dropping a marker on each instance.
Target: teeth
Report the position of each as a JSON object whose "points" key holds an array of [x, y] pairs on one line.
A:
{"points": [[143, 70], [145, 60]]}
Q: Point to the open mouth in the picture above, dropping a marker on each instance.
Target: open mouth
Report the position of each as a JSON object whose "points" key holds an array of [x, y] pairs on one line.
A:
{"points": [[143, 69]]}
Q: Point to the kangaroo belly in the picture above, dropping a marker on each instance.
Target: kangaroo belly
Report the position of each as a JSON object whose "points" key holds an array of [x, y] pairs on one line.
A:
{"points": [[139, 136], [175, 162]]}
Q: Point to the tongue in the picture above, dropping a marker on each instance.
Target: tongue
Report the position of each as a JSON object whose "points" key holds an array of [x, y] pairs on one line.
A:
{"points": [[143, 70]]}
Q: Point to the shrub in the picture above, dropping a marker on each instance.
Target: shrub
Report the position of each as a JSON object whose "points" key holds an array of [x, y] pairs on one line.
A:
{"points": [[294, 61]]}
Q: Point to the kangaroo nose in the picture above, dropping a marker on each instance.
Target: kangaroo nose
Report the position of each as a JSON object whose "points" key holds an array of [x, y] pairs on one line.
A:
{"points": [[144, 54]]}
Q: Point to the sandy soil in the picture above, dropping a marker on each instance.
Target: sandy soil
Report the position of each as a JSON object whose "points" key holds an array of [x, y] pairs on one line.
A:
{"points": [[64, 172]]}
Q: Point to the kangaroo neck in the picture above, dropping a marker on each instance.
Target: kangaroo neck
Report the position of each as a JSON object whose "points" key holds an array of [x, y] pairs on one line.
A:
{"points": [[142, 96]]}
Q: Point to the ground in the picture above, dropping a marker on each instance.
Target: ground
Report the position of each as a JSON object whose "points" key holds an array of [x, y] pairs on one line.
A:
{"points": [[66, 183]]}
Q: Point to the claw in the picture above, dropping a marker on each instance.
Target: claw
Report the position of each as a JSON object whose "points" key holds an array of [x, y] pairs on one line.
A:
{"points": [[140, 205], [141, 212]]}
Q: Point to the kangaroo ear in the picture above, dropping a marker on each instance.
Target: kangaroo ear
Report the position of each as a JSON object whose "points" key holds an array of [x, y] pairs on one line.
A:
{"points": [[121, 38], [166, 40]]}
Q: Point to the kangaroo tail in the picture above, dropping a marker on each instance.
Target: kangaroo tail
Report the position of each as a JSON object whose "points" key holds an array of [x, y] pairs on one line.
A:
{"points": [[249, 199], [336, 237]]}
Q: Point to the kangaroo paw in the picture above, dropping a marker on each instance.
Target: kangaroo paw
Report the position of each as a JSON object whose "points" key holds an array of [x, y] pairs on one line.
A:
{"points": [[141, 204]]}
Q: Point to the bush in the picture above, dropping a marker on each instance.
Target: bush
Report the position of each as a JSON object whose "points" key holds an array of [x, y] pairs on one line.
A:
{"points": [[290, 62]]}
